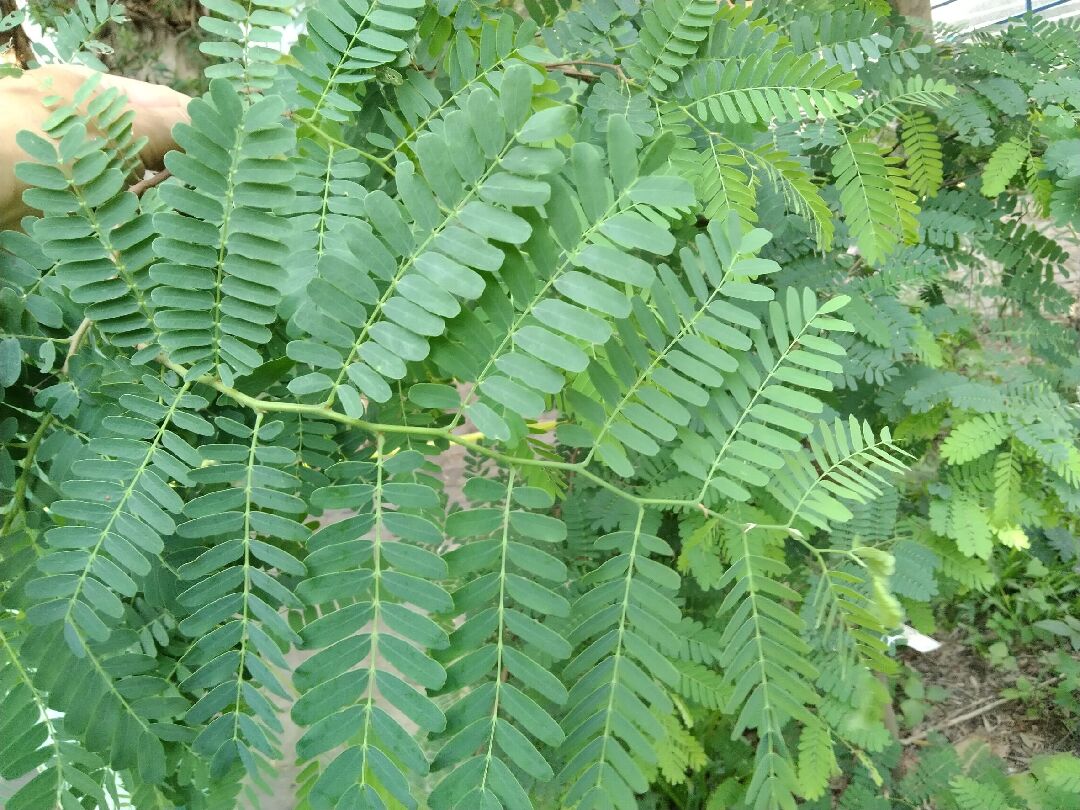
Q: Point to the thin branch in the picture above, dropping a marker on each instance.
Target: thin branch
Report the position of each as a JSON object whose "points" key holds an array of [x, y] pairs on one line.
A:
{"points": [[571, 63], [468, 440], [536, 427], [888, 717], [383, 162], [148, 183], [24, 478], [577, 74], [75, 341]]}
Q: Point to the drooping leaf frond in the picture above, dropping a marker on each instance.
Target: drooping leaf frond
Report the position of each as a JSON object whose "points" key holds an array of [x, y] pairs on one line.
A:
{"points": [[851, 624], [766, 658], [847, 37], [593, 27], [505, 602], [372, 592], [234, 600], [95, 687], [668, 39], [795, 185], [222, 249], [618, 681]]}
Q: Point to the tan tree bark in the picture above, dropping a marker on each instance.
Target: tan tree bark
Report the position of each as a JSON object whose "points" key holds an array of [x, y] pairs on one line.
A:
{"points": [[19, 53], [915, 9], [159, 44]]}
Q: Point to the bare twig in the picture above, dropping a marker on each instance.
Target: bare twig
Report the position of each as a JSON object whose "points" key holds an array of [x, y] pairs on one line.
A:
{"points": [[577, 74], [971, 714], [148, 183], [75, 341], [571, 63]]}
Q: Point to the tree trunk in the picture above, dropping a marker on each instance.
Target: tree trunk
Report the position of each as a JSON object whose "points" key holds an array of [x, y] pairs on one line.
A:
{"points": [[917, 10], [160, 44], [20, 53]]}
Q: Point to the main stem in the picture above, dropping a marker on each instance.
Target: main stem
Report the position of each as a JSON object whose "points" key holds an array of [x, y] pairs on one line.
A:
{"points": [[471, 441], [24, 478]]}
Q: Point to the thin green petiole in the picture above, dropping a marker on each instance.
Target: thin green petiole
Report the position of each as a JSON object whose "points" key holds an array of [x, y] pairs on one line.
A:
{"points": [[471, 441]]}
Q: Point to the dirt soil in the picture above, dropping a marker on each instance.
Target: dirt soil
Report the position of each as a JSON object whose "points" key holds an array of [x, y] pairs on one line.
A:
{"points": [[1016, 730]]}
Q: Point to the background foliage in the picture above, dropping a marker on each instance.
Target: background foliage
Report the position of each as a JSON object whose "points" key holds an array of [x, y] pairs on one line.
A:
{"points": [[692, 286]]}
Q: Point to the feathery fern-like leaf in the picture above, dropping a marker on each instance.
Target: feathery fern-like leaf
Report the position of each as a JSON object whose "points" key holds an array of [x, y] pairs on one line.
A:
{"points": [[875, 204], [117, 509], [769, 87], [880, 110], [545, 324], [222, 249], [372, 578], [670, 33], [1008, 482], [55, 771], [851, 464], [817, 760], [619, 680], [850, 623], [243, 38], [647, 387], [109, 699], [766, 658], [424, 256], [970, 794], [974, 438], [722, 182], [470, 61], [93, 230], [758, 412], [235, 601], [923, 151], [345, 44], [1004, 163], [504, 601]]}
